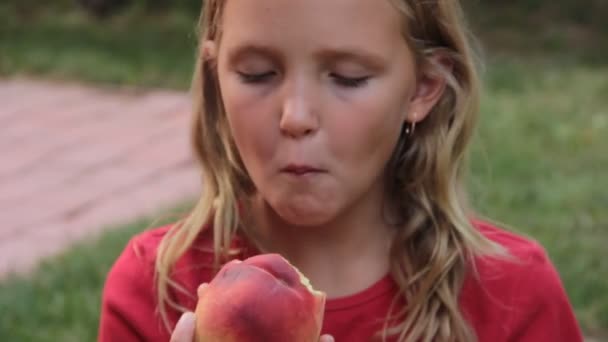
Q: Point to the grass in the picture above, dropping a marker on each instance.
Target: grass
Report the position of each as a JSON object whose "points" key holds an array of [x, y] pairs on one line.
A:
{"points": [[61, 300], [131, 49], [538, 162]]}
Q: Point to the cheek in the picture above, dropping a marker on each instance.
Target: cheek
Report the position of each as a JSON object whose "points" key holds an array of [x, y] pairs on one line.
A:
{"points": [[250, 118], [368, 132]]}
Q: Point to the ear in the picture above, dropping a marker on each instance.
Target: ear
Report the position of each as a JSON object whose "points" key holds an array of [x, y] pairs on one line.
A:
{"points": [[430, 86], [208, 50]]}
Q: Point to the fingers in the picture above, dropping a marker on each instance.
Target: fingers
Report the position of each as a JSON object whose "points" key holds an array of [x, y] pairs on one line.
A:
{"points": [[184, 330], [327, 338], [201, 289]]}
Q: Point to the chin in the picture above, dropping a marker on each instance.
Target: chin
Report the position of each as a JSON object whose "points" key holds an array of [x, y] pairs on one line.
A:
{"points": [[298, 214]]}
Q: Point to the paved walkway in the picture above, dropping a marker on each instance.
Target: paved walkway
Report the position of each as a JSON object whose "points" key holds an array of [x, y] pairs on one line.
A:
{"points": [[75, 160]]}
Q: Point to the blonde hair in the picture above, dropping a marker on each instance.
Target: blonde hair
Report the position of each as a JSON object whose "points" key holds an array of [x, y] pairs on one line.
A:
{"points": [[436, 241]]}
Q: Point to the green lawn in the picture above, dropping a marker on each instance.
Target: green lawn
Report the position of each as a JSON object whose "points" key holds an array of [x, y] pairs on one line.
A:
{"points": [[132, 49], [60, 301], [539, 161]]}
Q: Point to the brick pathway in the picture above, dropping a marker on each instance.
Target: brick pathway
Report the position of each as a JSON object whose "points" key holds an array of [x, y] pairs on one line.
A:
{"points": [[75, 160]]}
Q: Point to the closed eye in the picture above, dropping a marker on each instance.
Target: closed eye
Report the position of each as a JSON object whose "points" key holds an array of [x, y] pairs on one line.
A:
{"points": [[255, 78], [351, 82]]}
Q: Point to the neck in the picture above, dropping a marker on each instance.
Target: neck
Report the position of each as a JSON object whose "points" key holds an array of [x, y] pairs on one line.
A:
{"points": [[331, 255]]}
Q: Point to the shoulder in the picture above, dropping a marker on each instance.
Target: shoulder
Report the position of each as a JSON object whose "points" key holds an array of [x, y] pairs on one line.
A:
{"points": [[142, 249], [517, 289], [138, 255], [128, 301], [132, 276], [137, 262], [525, 258], [516, 244], [133, 270]]}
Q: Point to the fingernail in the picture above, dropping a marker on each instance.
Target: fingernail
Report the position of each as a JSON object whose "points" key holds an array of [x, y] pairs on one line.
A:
{"points": [[201, 289], [188, 318]]}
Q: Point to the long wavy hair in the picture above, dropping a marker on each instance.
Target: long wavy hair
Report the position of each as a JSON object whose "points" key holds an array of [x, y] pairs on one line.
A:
{"points": [[436, 240]]}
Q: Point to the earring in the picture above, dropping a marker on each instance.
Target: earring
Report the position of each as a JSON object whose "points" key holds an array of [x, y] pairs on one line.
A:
{"points": [[410, 127]]}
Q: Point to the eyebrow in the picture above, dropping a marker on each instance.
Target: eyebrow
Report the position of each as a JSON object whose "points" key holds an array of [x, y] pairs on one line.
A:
{"points": [[244, 50], [371, 60]]}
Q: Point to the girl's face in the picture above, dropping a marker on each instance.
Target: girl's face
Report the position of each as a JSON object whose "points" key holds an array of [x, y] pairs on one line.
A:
{"points": [[316, 93]]}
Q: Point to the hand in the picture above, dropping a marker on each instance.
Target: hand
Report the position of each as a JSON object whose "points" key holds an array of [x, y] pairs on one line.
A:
{"points": [[184, 330]]}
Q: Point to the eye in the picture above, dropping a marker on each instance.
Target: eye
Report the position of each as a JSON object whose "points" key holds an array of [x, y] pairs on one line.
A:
{"points": [[255, 78], [351, 82]]}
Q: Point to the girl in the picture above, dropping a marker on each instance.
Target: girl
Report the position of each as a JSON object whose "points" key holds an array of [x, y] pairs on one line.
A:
{"points": [[334, 132]]}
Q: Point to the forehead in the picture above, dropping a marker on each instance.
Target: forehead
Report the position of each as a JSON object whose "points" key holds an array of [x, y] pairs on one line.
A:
{"points": [[307, 24]]}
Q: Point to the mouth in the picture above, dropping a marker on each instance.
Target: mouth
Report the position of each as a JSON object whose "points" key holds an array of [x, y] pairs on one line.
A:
{"points": [[300, 169]]}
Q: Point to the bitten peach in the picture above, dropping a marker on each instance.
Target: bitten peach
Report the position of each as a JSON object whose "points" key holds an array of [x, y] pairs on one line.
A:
{"points": [[263, 298]]}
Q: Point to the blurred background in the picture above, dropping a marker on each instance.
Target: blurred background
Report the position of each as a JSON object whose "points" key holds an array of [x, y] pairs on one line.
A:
{"points": [[94, 117]]}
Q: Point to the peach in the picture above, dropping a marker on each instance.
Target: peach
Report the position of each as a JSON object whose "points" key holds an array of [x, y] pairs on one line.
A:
{"points": [[263, 298]]}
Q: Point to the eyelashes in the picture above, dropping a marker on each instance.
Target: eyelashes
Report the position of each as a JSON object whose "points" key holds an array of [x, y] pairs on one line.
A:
{"points": [[255, 78], [351, 82], [261, 78]]}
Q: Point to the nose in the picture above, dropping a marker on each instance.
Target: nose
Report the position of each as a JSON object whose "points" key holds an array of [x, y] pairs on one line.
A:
{"points": [[298, 117]]}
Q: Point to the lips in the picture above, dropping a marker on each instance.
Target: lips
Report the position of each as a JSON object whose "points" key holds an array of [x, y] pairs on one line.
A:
{"points": [[300, 169]]}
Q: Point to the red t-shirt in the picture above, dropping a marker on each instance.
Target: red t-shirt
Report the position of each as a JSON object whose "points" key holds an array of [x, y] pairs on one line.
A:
{"points": [[509, 301]]}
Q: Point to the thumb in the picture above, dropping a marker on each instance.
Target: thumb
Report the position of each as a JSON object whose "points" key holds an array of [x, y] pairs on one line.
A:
{"points": [[327, 338], [201, 289], [184, 330]]}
